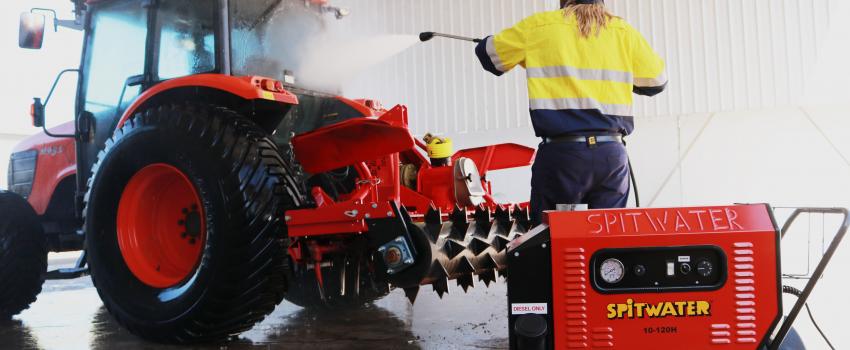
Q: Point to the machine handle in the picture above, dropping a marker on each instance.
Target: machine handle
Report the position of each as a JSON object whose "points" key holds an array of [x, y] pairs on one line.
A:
{"points": [[807, 291]]}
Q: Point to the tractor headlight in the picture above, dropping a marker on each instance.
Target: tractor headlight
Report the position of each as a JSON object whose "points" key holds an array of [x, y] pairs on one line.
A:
{"points": [[22, 172]]}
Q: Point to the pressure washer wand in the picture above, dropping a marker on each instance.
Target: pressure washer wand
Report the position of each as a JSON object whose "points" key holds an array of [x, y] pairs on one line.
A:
{"points": [[425, 36]]}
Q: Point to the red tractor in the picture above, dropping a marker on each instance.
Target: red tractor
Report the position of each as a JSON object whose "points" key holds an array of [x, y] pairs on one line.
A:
{"points": [[204, 187]]}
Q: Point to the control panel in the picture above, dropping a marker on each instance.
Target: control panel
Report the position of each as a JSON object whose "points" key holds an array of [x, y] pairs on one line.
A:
{"points": [[658, 269]]}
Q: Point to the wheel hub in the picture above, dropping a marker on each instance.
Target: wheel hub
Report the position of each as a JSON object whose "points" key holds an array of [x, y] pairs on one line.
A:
{"points": [[191, 223], [160, 226]]}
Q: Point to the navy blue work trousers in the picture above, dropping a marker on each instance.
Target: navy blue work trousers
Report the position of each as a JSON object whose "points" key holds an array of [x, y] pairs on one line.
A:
{"points": [[575, 173]]}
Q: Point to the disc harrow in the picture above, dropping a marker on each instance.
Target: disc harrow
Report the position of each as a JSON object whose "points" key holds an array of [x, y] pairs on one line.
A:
{"points": [[466, 244]]}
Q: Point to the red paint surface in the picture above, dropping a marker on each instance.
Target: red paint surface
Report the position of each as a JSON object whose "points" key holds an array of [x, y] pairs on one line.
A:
{"points": [[350, 142], [152, 206], [377, 147], [742, 310], [57, 160], [248, 88]]}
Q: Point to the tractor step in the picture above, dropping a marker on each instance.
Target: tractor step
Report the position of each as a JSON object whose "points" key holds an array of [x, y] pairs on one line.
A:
{"points": [[80, 269], [67, 274]]}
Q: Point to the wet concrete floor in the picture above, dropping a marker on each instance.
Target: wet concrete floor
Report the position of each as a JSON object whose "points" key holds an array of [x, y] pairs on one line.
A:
{"points": [[70, 315]]}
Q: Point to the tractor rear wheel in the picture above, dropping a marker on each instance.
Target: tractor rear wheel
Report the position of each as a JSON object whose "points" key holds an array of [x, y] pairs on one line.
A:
{"points": [[183, 220], [23, 255]]}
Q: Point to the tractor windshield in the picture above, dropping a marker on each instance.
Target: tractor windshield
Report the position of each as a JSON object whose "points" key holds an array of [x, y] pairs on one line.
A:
{"points": [[268, 35]]}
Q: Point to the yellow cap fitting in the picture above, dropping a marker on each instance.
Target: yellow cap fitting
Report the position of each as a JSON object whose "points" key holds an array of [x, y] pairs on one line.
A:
{"points": [[440, 147]]}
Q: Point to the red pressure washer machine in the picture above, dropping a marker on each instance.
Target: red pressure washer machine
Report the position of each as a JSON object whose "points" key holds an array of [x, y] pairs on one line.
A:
{"points": [[679, 278]]}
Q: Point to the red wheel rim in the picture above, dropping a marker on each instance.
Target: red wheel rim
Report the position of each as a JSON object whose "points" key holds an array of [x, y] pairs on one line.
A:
{"points": [[161, 226]]}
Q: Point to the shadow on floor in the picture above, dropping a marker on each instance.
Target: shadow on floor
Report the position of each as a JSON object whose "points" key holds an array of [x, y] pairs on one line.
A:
{"points": [[370, 327], [15, 335]]}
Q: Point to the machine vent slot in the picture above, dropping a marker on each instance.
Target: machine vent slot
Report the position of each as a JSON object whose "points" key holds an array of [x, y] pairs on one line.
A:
{"points": [[721, 334], [578, 337], [745, 288]]}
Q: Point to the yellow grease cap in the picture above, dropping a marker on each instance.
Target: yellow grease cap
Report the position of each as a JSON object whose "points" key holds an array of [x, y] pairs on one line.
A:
{"points": [[439, 147]]}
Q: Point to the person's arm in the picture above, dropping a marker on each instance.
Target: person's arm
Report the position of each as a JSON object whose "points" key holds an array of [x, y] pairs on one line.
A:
{"points": [[501, 53], [650, 77]]}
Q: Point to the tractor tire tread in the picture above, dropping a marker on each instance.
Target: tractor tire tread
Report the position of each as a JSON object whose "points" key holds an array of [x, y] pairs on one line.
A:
{"points": [[23, 256], [253, 281]]}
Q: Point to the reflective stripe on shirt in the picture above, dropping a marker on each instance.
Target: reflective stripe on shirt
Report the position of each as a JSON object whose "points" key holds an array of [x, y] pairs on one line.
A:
{"points": [[652, 82], [494, 56], [580, 103], [580, 73], [576, 84]]}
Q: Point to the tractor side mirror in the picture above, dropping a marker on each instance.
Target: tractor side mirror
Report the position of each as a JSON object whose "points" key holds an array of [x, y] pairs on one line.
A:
{"points": [[37, 108], [31, 32], [37, 113]]}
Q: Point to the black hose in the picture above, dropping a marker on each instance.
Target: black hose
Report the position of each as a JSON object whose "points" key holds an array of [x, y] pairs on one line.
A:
{"points": [[798, 293], [634, 183]]}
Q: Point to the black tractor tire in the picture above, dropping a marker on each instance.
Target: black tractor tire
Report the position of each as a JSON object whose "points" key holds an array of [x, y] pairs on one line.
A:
{"points": [[244, 188], [23, 255], [304, 286]]}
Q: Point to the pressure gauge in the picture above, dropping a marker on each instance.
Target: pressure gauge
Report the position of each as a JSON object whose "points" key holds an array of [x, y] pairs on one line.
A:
{"points": [[612, 271]]}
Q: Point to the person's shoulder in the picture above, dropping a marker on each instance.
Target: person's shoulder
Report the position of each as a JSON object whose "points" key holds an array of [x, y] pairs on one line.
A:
{"points": [[620, 23], [544, 18]]}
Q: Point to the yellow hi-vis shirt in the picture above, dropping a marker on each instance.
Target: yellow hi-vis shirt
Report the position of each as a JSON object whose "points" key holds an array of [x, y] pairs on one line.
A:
{"points": [[577, 85]]}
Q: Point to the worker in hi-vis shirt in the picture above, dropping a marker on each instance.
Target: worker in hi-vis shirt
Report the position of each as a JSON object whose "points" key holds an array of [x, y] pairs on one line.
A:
{"points": [[583, 64]]}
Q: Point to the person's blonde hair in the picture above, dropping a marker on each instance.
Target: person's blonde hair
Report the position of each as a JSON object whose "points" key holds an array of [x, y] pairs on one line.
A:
{"points": [[591, 18]]}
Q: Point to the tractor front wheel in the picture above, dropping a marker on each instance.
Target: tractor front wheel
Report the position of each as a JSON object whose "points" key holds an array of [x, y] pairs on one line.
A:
{"points": [[23, 255], [183, 221]]}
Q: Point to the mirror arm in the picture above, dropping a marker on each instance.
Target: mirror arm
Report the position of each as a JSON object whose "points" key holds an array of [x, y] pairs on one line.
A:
{"points": [[58, 136], [56, 82], [70, 24], [51, 11], [47, 100], [75, 24]]}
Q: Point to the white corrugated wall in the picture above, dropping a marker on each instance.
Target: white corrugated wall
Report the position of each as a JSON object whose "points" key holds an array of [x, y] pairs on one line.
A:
{"points": [[441, 81], [722, 55]]}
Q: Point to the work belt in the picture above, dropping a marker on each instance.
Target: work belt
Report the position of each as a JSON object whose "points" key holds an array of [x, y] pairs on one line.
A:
{"points": [[589, 140]]}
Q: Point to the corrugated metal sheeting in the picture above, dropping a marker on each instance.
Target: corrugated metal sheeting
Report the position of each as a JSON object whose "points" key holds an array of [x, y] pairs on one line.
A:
{"points": [[722, 55]]}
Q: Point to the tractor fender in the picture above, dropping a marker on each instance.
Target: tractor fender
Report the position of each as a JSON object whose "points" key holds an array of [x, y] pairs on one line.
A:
{"points": [[248, 88], [56, 161]]}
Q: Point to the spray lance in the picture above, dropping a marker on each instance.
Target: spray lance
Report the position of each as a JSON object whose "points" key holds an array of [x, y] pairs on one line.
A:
{"points": [[425, 36]]}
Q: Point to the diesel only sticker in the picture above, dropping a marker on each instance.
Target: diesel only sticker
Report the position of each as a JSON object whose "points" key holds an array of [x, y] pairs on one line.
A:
{"points": [[529, 308]]}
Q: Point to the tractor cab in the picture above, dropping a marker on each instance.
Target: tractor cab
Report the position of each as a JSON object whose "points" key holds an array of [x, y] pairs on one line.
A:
{"points": [[133, 48]]}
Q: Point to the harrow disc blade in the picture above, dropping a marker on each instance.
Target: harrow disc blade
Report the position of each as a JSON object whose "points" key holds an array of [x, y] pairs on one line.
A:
{"points": [[462, 247]]}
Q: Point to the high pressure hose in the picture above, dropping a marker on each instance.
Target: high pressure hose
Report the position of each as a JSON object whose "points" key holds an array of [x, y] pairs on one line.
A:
{"points": [[798, 293]]}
